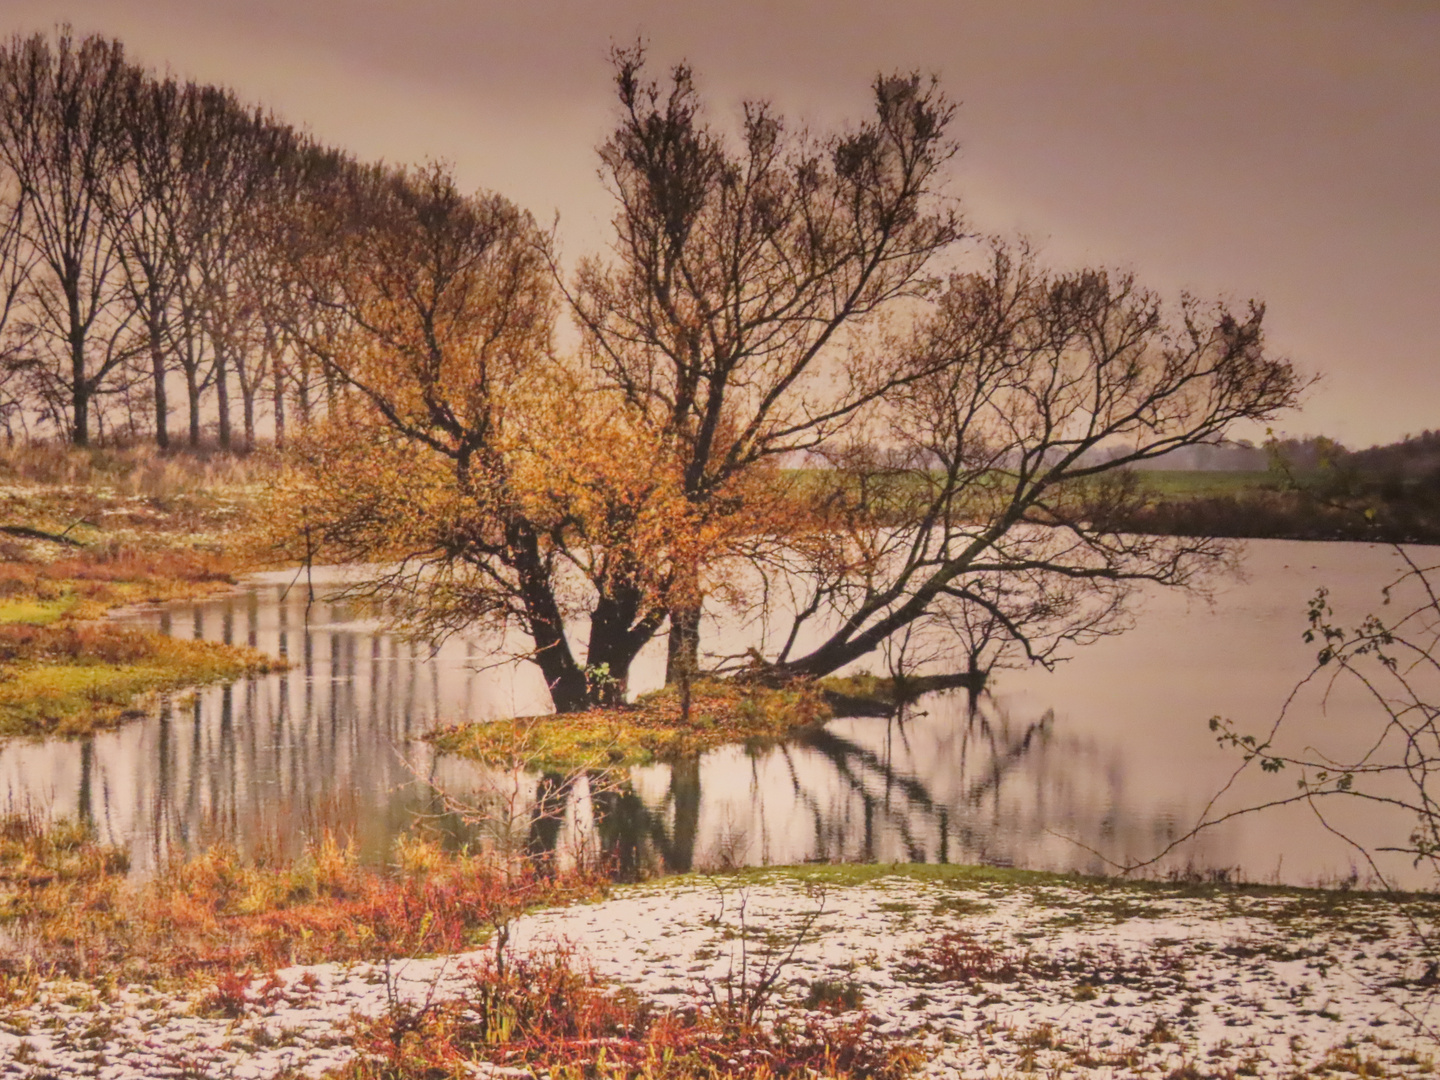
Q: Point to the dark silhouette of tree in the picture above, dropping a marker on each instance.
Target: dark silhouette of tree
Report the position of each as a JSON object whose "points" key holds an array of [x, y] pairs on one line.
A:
{"points": [[990, 493], [732, 316], [17, 259], [62, 138]]}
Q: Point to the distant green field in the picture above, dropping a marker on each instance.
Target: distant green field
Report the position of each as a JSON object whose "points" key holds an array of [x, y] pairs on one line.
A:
{"points": [[1194, 484], [1166, 483]]}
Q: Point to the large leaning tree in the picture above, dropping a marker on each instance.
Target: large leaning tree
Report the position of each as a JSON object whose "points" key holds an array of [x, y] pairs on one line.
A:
{"points": [[770, 299], [975, 502]]}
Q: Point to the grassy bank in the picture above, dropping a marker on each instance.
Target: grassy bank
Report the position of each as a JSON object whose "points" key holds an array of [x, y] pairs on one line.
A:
{"points": [[652, 729], [63, 670], [73, 679], [86, 531]]}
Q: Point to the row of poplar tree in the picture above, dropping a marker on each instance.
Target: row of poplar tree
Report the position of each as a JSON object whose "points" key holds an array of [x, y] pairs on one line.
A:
{"points": [[138, 244]]}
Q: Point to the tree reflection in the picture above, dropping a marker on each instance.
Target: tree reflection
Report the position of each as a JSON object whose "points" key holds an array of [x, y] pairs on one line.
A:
{"points": [[330, 746], [825, 775]]}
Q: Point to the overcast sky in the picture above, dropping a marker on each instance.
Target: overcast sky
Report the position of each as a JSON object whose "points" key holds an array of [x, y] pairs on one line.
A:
{"points": [[1287, 151]]}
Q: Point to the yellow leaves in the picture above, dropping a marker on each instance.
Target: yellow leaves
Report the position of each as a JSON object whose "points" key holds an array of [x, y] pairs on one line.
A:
{"points": [[459, 442]]}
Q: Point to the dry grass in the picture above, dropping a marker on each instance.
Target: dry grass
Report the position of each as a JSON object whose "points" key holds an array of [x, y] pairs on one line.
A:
{"points": [[136, 498], [68, 908], [545, 1015], [138, 470]]}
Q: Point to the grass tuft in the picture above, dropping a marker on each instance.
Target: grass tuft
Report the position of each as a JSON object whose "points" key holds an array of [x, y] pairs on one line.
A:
{"points": [[543, 1015]]}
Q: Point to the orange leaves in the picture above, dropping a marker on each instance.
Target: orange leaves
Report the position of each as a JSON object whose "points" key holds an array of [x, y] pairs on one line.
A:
{"points": [[446, 303]]}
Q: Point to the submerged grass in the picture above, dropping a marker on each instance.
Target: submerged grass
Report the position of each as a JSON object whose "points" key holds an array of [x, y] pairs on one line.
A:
{"points": [[652, 729]]}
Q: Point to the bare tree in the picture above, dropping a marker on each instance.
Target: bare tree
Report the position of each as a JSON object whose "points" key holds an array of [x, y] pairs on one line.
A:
{"points": [[1027, 395], [62, 137], [733, 316], [244, 150], [151, 206], [17, 259]]}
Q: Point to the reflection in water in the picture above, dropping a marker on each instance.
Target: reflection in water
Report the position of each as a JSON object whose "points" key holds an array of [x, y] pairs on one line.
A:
{"points": [[959, 782], [1038, 777], [266, 762]]}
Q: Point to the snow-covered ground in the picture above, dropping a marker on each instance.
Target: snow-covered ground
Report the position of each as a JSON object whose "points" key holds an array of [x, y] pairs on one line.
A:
{"points": [[1076, 980]]}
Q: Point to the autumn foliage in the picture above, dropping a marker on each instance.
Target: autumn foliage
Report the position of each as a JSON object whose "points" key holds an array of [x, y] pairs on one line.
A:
{"points": [[776, 404]]}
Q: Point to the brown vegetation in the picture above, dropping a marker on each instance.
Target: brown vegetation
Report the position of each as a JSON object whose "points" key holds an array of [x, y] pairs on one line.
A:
{"points": [[70, 908], [544, 1015]]}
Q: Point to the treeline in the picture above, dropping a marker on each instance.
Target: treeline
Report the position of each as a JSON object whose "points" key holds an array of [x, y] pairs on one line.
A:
{"points": [[143, 221], [1317, 490]]}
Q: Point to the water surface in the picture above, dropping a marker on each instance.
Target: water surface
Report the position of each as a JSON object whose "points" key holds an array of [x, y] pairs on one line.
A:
{"points": [[1107, 759]]}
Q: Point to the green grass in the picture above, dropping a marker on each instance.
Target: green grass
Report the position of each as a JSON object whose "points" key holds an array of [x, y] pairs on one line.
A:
{"points": [[1195, 484], [37, 612], [66, 679], [647, 731]]}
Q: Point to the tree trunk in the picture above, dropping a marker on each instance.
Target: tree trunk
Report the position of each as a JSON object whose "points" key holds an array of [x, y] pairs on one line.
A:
{"points": [[80, 426], [79, 385], [222, 398], [247, 412], [303, 391], [157, 375], [564, 677], [611, 652], [682, 657], [278, 382], [617, 634], [192, 388]]}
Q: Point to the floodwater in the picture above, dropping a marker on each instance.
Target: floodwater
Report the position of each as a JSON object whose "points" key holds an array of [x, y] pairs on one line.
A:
{"points": [[1105, 761]]}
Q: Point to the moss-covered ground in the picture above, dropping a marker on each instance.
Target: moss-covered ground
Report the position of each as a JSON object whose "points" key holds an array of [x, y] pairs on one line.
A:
{"points": [[73, 679], [651, 729]]}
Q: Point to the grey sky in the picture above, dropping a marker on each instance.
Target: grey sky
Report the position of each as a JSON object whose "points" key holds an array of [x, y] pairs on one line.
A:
{"points": [[1286, 151]]}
